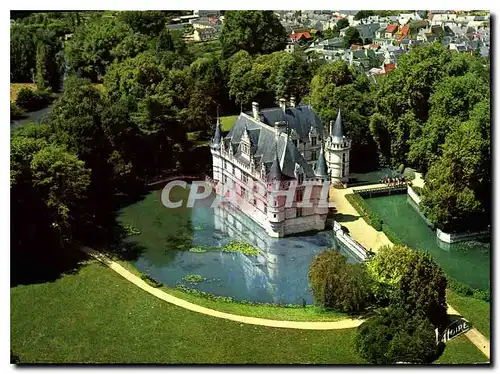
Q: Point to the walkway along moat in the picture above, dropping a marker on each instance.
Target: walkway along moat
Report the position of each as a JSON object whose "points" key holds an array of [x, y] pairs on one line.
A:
{"points": [[278, 275], [467, 262]]}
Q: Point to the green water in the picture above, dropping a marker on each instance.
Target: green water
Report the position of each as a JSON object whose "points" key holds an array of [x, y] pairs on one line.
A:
{"points": [[467, 262]]}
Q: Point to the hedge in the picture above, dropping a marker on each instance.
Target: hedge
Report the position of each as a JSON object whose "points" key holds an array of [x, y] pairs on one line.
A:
{"points": [[417, 189], [359, 204], [465, 290], [391, 235]]}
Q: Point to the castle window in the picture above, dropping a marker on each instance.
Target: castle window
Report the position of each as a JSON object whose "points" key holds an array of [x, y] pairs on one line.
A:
{"points": [[243, 193], [299, 194], [295, 143], [299, 212], [300, 178], [313, 141], [224, 179], [254, 202], [245, 148], [245, 178], [314, 156]]}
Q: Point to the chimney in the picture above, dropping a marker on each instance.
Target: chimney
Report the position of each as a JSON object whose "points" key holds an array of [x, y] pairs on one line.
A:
{"points": [[255, 110], [292, 101], [283, 104]]}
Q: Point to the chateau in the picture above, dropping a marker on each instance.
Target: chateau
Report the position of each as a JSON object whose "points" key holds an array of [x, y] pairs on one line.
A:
{"points": [[284, 149]]}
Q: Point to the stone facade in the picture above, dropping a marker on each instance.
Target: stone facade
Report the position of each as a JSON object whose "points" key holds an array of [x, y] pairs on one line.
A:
{"points": [[270, 155]]}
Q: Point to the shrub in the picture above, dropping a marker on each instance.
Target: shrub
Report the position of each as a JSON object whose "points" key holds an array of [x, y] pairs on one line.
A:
{"points": [[422, 289], [15, 111], [387, 268], [395, 336], [30, 100], [339, 285], [409, 174], [150, 281]]}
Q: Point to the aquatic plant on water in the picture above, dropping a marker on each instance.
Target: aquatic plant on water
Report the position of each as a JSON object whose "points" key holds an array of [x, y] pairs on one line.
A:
{"points": [[193, 278], [242, 247]]}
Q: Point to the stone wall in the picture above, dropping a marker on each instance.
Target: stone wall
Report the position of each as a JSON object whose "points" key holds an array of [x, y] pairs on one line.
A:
{"points": [[357, 249]]}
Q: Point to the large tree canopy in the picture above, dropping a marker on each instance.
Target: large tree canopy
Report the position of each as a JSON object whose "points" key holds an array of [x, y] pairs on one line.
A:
{"points": [[252, 31], [335, 86]]}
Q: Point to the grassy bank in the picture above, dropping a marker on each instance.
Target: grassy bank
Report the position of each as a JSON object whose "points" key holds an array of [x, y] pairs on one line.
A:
{"points": [[96, 316]]}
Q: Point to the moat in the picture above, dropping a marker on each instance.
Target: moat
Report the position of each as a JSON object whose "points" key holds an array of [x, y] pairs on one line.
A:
{"points": [[277, 275], [467, 262]]}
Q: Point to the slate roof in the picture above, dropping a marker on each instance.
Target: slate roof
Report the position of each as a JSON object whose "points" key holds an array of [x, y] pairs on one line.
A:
{"points": [[338, 131], [264, 142], [321, 170]]}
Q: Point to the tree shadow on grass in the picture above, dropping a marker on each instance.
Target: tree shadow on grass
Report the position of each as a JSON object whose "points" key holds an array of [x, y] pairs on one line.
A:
{"points": [[42, 265]]}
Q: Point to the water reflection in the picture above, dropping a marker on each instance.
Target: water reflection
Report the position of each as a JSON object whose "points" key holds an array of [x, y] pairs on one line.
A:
{"points": [[277, 275]]}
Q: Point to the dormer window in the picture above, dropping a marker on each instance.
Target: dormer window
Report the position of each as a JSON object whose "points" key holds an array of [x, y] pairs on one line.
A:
{"points": [[245, 148]]}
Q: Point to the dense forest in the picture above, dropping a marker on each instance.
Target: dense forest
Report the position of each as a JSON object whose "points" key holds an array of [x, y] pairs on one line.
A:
{"points": [[135, 92]]}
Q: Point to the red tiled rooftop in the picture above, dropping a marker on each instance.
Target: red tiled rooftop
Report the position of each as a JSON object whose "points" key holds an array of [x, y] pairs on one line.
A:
{"points": [[391, 28]]}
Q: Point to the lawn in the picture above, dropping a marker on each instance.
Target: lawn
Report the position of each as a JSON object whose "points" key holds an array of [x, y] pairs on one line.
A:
{"points": [[228, 121], [461, 351], [16, 87], [477, 312], [96, 316]]}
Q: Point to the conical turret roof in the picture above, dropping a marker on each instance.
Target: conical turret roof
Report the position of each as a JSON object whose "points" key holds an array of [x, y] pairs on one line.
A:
{"points": [[217, 136], [337, 133], [321, 170], [275, 173]]}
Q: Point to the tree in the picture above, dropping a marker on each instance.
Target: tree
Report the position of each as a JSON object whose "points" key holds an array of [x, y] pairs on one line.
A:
{"points": [[337, 284], [22, 53], [252, 31], [61, 180], [456, 194], [396, 336], [89, 52], [342, 23], [352, 37], [451, 102], [362, 14], [335, 86], [388, 267], [422, 290], [150, 22]]}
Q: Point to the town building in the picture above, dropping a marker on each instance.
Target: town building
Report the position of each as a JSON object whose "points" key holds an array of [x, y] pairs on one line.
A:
{"points": [[280, 149]]}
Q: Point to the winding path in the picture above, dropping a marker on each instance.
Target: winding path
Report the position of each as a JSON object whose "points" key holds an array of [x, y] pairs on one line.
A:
{"points": [[334, 325]]}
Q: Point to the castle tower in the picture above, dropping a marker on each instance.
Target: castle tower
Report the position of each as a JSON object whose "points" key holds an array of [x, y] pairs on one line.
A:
{"points": [[338, 147], [275, 207]]}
